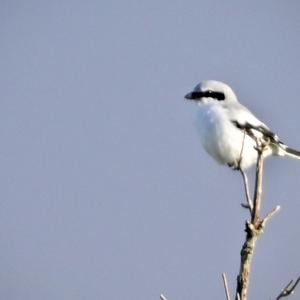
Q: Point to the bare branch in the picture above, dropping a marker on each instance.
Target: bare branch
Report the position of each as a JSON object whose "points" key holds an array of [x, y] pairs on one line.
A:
{"points": [[242, 150], [162, 297], [248, 197], [226, 286], [253, 228], [243, 279], [244, 175], [258, 185], [289, 289], [270, 215]]}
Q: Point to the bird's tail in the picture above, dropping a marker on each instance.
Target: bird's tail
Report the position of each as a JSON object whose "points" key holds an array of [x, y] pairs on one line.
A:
{"points": [[289, 152]]}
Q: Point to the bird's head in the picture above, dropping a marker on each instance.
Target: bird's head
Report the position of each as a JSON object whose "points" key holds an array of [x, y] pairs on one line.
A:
{"points": [[211, 91]]}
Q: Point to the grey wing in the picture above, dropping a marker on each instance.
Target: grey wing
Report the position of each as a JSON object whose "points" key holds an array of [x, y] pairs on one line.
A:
{"points": [[242, 118]]}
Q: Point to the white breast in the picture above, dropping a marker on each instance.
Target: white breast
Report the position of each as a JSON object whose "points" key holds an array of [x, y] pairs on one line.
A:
{"points": [[222, 139]]}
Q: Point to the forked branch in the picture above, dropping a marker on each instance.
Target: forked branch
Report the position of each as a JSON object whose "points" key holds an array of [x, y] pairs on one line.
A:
{"points": [[289, 289], [254, 227]]}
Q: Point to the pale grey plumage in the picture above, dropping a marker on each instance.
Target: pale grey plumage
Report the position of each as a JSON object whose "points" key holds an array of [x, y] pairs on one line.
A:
{"points": [[227, 128]]}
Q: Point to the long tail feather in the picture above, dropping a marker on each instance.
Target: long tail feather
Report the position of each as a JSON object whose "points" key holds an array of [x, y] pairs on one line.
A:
{"points": [[292, 153]]}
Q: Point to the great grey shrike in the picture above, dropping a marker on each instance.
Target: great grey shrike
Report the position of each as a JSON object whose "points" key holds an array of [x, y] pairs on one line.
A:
{"points": [[229, 131]]}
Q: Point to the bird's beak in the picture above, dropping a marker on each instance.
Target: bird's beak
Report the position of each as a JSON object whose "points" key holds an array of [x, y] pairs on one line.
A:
{"points": [[189, 96]]}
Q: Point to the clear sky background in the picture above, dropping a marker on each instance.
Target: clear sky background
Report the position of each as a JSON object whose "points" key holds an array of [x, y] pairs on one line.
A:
{"points": [[106, 192]]}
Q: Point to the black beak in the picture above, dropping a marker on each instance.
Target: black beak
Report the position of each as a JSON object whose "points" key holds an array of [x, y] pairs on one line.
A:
{"points": [[189, 96], [193, 96]]}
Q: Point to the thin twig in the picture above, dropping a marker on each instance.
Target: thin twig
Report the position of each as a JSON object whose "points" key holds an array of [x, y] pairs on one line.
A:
{"points": [[242, 149], [244, 175], [270, 215], [162, 297], [289, 289], [258, 186], [226, 286], [248, 197]]}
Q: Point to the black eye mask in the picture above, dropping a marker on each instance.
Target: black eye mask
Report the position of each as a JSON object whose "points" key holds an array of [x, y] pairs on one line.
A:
{"points": [[207, 94]]}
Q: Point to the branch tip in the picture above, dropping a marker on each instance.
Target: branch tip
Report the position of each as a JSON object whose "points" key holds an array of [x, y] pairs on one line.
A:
{"points": [[226, 286], [270, 215], [162, 297], [289, 289]]}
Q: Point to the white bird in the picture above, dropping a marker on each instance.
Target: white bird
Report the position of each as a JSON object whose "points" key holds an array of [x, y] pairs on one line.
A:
{"points": [[229, 131]]}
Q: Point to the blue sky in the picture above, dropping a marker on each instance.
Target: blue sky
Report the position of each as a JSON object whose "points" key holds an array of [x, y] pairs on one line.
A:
{"points": [[106, 191]]}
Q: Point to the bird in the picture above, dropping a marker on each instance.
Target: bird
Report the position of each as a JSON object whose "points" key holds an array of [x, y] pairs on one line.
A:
{"points": [[229, 131]]}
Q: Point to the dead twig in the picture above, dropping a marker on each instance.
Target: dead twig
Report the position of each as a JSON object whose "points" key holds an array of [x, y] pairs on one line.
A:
{"points": [[253, 230], [258, 185], [249, 204], [226, 286], [245, 178], [254, 227], [162, 297], [289, 289], [269, 216]]}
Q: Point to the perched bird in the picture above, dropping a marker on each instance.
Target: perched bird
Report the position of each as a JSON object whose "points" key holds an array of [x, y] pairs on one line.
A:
{"points": [[229, 131]]}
